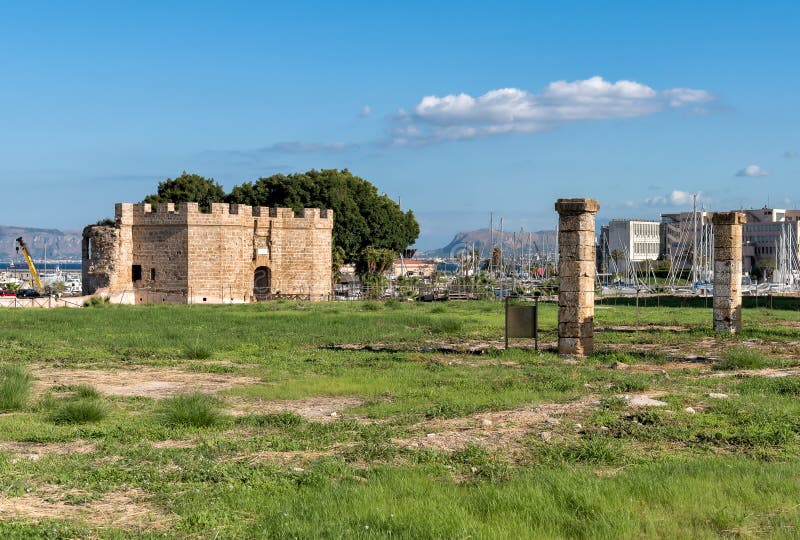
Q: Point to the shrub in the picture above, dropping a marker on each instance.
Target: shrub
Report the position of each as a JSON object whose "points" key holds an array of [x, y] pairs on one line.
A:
{"points": [[370, 306], [96, 301], [446, 325], [197, 352], [86, 391], [15, 388], [282, 420], [783, 386], [195, 409], [741, 358], [79, 411], [593, 450], [472, 454]]}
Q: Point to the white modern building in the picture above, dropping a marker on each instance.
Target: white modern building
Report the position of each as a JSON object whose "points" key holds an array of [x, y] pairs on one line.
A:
{"points": [[634, 241]]}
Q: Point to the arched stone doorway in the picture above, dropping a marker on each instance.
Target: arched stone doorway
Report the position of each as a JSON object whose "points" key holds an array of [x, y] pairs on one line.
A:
{"points": [[262, 281]]}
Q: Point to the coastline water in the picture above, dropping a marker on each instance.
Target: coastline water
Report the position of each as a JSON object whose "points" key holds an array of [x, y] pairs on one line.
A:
{"points": [[51, 265]]}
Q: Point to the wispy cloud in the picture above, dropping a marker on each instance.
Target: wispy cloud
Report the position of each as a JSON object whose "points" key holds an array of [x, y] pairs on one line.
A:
{"points": [[127, 177], [752, 170], [296, 147], [253, 155], [365, 111], [512, 110], [791, 154]]}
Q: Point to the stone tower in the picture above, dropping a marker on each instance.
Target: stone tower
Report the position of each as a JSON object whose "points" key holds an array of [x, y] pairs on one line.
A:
{"points": [[234, 253]]}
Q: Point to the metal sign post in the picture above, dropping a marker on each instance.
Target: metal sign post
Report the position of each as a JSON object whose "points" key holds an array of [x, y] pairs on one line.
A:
{"points": [[522, 321]]}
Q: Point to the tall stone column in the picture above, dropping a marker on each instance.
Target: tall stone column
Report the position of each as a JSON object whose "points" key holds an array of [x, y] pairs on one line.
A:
{"points": [[576, 273], [728, 271]]}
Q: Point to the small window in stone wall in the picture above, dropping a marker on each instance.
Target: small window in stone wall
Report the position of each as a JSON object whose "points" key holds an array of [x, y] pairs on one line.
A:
{"points": [[152, 274], [136, 272]]}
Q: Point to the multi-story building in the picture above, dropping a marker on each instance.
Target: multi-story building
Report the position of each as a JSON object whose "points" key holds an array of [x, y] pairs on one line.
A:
{"points": [[761, 236], [680, 233], [763, 233], [628, 240]]}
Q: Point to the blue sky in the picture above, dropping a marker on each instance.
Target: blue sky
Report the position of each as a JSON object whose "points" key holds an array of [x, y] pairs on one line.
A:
{"points": [[457, 108]]}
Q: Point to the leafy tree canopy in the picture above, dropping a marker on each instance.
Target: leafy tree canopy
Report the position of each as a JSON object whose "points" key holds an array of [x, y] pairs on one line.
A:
{"points": [[188, 188], [375, 261], [362, 217]]}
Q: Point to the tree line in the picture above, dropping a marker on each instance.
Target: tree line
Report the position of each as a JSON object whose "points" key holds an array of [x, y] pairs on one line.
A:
{"points": [[368, 228]]}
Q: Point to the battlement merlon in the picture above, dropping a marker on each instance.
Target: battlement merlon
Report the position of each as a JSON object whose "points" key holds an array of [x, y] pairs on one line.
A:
{"points": [[170, 213], [123, 213]]}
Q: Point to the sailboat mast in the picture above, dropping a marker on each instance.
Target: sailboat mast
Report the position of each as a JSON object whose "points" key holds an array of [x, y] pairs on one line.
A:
{"points": [[502, 251], [491, 243], [694, 238]]}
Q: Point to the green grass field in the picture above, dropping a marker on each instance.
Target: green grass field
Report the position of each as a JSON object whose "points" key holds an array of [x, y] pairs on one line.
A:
{"points": [[375, 420]]}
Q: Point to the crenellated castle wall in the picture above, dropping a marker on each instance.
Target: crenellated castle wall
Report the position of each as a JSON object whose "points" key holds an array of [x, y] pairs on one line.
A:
{"points": [[177, 253]]}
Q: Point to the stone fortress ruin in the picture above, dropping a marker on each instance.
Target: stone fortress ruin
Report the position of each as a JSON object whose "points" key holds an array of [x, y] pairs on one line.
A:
{"points": [[171, 253]]}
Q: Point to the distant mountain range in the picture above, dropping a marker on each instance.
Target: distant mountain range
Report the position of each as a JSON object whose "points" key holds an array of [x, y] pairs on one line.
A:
{"points": [[61, 245], [540, 242], [66, 245]]}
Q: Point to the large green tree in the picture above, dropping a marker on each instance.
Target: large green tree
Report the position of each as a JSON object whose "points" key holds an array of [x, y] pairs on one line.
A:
{"points": [[362, 217], [188, 188]]}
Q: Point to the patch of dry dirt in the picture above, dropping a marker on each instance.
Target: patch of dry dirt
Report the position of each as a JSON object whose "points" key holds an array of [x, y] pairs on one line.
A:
{"points": [[127, 510], [767, 372], [707, 349], [642, 328], [35, 451], [643, 400], [144, 381], [317, 409], [695, 364], [495, 430], [175, 443]]}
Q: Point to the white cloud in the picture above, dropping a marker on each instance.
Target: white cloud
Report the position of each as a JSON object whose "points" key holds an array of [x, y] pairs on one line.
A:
{"points": [[676, 197], [752, 170], [365, 111], [791, 154], [680, 197], [512, 110]]}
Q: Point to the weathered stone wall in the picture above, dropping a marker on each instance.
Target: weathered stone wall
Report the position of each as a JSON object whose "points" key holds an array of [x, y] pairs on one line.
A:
{"points": [[101, 250], [189, 256], [728, 271], [301, 242], [220, 254], [576, 275]]}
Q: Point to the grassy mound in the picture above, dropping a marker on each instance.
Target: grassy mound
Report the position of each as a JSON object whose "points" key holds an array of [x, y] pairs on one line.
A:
{"points": [[78, 411], [742, 358], [195, 410], [15, 388]]}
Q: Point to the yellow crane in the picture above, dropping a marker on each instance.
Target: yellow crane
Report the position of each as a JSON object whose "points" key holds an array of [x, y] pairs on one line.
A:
{"points": [[35, 281]]}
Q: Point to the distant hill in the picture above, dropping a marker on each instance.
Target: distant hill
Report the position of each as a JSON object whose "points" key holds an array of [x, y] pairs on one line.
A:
{"points": [[540, 242], [61, 245]]}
